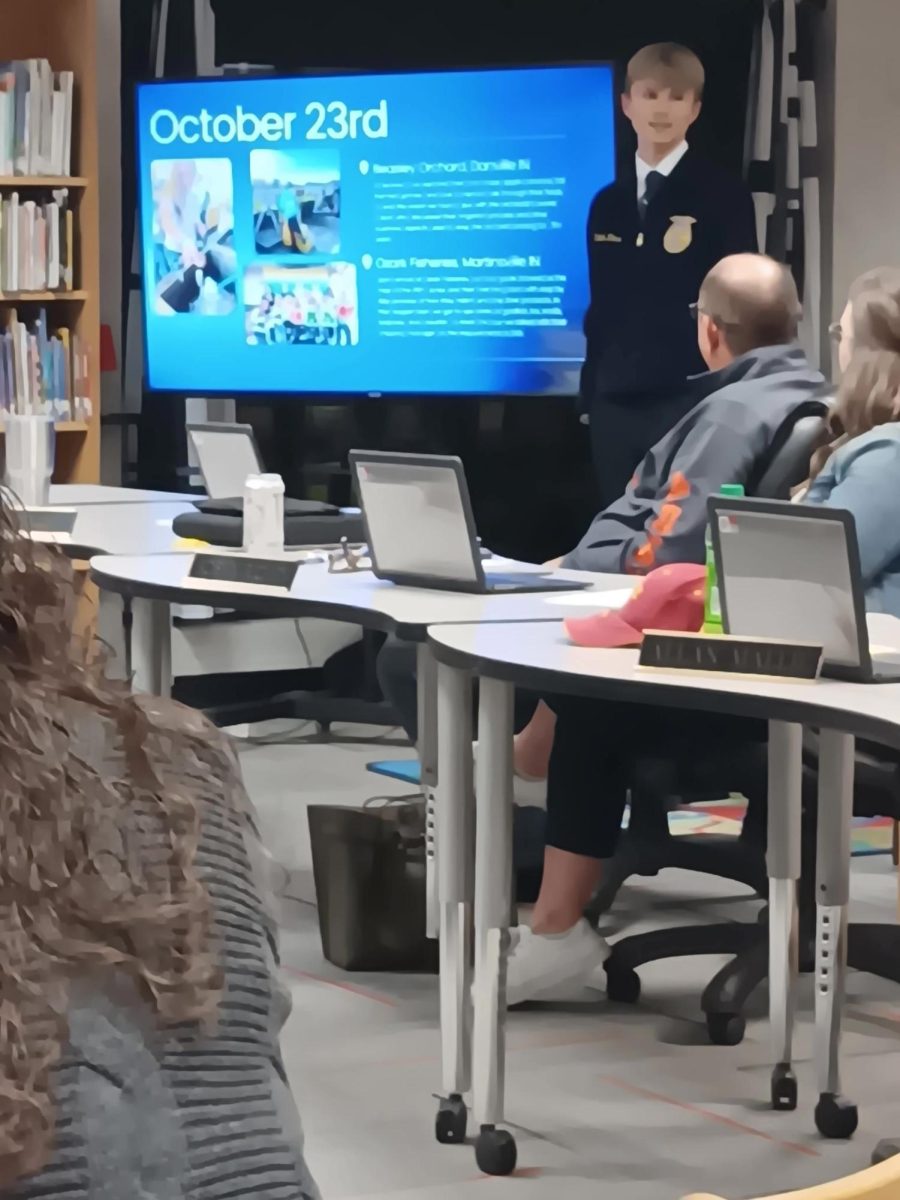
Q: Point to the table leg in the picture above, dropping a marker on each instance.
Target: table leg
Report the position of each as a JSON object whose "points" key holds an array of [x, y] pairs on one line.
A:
{"points": [[454, 857], [495, 1149], [151, 647], [835, 1116], [784, 865], [426, 692]]}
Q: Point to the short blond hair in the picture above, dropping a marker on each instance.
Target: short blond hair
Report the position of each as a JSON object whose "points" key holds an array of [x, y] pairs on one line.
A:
{"points": [[668, 64]]}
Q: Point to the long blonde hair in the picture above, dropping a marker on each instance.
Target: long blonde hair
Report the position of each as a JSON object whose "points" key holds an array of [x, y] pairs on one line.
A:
{"points": [[869, 391], [78, 890]]}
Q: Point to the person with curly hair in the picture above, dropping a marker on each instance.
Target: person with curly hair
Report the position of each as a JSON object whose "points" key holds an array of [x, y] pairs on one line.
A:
{"points": [[140, 1008]]}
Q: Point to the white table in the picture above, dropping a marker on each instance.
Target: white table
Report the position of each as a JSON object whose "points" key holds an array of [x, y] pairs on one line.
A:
{"points": [[154, 582], [123, 528], [538, 657], [69, 494]]}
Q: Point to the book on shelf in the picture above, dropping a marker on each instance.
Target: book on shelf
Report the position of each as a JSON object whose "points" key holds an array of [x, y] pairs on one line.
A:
{"points": [[43, 371], [36, 111], [36, 243]]}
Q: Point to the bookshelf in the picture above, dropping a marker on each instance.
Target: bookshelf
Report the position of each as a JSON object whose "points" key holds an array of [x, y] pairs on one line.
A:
{"points": [[65, 33], [25, 182]]}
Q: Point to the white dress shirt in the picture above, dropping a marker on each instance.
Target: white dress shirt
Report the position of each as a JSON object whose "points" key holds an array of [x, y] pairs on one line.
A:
{"points": [[665, 167]]}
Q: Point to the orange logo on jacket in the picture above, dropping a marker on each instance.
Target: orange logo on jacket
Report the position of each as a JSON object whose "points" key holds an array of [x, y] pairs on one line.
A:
{"points": [[662, 525]]}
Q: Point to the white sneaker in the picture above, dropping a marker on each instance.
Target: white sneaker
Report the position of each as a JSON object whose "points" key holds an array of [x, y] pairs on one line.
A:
{"points": [[541, 966]]}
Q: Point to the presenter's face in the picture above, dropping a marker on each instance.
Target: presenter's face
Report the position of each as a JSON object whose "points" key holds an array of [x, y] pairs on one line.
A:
{"points": [[661, 116]]}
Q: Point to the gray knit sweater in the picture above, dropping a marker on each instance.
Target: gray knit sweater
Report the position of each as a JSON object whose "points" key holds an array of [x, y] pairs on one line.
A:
{"points": [[146, 1112]]}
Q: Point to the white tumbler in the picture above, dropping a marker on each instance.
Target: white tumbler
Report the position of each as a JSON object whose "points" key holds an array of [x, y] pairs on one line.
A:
{"points": [[30, 457], [264, 514]]}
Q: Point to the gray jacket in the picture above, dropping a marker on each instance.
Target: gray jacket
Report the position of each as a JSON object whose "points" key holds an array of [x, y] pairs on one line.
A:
{"points": [[151, 1112], [662, 516]]}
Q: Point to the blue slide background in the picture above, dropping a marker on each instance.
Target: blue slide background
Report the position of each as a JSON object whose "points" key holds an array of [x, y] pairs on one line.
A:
{"points": [[561, 118]]}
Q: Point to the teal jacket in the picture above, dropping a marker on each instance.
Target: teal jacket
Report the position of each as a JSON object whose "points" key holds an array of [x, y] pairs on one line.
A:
{"points": [[863, 477]]}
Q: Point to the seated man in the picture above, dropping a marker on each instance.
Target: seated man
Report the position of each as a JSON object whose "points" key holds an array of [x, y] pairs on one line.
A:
{"points": [[748, 313]]}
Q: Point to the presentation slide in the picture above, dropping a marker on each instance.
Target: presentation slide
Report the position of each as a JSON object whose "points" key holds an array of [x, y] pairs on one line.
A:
{"points": [[409, 234]]}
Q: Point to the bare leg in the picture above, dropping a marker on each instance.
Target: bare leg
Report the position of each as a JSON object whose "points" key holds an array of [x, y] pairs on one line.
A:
{"points": [[569, 882], [532, 747]]}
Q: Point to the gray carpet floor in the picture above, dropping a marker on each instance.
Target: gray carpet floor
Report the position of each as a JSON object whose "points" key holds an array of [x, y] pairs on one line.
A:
{"points": [[606, 1101]]}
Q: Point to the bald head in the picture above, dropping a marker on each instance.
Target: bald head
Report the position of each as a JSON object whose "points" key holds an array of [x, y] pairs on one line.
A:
{"points": [[747, 301]]}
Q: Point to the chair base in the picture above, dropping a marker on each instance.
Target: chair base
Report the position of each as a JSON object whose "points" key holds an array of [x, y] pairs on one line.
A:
{"points": [[874, 949], [726, 857], [321, 708]]}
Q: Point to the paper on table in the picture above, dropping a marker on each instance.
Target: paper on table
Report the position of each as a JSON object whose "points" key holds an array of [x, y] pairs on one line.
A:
{"points": [[884, 634], [596, 600], [498, 563]]}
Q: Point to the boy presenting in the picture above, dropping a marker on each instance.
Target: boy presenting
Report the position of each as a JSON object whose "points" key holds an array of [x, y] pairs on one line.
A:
{"points": [[652, 237]]}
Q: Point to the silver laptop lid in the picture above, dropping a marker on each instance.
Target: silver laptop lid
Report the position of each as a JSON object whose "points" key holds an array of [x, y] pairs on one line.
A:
{"points": [[791, 572], [226, 455], [417, 514]]}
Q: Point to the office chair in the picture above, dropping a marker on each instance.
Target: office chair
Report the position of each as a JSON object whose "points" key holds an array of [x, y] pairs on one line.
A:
{"points": [[647, 847], [874, 948], [787, 463]]}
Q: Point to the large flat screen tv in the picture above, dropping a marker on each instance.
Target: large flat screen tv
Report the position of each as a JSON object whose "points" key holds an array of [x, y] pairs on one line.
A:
{"points": [[350, 235]]}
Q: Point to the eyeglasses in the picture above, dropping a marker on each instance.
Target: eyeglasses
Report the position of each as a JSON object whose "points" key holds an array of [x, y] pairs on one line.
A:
{"points": [[697, 311], [836, 332]]}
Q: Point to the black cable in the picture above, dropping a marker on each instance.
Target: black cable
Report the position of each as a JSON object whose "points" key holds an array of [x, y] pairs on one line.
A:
{"points": [[303, 642]]}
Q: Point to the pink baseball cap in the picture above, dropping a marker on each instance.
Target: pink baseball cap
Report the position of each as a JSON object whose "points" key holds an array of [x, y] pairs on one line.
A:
{"points": [[668, 598]]}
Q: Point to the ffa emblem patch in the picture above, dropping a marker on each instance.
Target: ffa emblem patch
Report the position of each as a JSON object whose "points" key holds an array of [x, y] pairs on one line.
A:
{"points": [[679, 235]]}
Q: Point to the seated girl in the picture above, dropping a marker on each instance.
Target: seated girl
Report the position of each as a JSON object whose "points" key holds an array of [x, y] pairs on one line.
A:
{"points": [[139, 1002]]}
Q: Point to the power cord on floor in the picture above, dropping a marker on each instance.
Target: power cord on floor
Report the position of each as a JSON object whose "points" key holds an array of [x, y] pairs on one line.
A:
{"points": [[301, 638]]}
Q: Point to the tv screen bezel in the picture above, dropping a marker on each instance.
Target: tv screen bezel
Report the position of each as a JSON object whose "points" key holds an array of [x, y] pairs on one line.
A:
{"points": [[334, 397]]}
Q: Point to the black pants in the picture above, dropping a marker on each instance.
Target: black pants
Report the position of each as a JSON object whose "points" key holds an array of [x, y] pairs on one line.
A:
{"points": [[396, 670], [624, 428], [596, 747]]}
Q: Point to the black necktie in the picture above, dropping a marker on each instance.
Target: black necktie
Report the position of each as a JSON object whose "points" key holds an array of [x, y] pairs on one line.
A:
{"points": [[652, 185]]}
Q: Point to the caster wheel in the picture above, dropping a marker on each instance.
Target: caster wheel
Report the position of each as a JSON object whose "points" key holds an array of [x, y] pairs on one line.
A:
{"points": [[836, 1117], [495, 1151], [784, 1089], [450, 1123], [885, 1150], [623, 986], [725, 1029]]}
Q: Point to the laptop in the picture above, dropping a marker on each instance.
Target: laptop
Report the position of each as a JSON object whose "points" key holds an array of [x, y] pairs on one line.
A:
{"points": [[226, 455], [792, 572], [420, 529]]}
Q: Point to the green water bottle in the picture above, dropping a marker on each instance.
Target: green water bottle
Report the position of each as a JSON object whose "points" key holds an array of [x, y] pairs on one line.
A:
{"points": [[712, 622]]}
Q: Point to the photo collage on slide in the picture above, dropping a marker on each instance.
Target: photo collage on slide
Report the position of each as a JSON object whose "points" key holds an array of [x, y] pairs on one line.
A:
{"points": [[296, 292]]}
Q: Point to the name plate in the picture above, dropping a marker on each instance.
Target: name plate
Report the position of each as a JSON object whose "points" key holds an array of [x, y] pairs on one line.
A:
{"points": [[50, 525], [237, 573], [722, 654]]}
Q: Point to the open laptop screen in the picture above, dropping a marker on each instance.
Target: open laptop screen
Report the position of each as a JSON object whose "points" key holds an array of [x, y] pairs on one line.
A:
{"points": [[416, 520], [226, 456], [785, 575]]}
